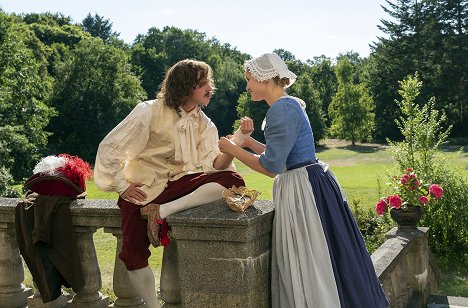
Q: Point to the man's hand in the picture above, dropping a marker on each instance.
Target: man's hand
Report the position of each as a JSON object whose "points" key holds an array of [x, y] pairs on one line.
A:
{"points": [[246, 125], [133, 193]]}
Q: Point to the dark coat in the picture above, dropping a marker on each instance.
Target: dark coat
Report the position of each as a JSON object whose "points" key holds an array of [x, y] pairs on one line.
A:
{"points": [[47, 242]]}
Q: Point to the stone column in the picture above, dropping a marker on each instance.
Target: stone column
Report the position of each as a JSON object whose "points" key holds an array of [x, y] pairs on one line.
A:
{"points": [[12, 292], [123, 289], [89, 296], [224, 256]]}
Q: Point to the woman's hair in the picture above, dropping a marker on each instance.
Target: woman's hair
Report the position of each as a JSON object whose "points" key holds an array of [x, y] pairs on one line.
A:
{"points": [[282, 82], [181, 79]]}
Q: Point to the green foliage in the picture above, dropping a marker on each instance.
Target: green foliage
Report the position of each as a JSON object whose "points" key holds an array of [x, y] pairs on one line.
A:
{"points": [[351, 109], [421, 128], [423, 135], [373, 228], [429, 37], [6, 190], [304, 88], [256, 111], [229, 81], [24, 90], [93, 92], [99, 27], [324, 81]]}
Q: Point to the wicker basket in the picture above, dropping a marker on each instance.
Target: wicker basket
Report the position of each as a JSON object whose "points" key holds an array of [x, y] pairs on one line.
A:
{"points": [[240, 198]]}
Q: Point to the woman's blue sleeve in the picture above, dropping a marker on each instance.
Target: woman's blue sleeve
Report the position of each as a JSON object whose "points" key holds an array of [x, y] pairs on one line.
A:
{"points": [[282, 127]]}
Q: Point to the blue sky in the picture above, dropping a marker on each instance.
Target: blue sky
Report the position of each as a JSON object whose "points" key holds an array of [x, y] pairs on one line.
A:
{"points": [[307, 28]]}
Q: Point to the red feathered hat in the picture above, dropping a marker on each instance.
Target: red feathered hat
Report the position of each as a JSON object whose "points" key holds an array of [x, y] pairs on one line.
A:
{"points": [[61, 175]]}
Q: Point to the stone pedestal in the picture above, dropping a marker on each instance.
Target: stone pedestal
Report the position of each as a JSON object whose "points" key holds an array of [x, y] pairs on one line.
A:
{"points": [[406, 268], [223, 256]]}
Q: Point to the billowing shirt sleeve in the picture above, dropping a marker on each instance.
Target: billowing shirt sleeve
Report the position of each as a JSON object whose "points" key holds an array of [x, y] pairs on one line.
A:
{"points": [[122, 144], [281, 130], [208, 149]]}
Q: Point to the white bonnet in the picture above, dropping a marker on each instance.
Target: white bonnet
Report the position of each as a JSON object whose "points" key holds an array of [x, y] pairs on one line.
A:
{"points": [[268, 66]]}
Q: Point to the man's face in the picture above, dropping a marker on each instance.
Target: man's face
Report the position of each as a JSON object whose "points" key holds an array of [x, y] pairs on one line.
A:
{"points": [[202, 93]]}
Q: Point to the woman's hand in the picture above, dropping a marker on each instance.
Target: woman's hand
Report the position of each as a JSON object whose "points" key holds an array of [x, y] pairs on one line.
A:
{"points": [[226, 145], [133, 193]]}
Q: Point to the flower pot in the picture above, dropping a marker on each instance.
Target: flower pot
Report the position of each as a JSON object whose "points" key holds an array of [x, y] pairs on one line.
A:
{"points": [[407, 218]]}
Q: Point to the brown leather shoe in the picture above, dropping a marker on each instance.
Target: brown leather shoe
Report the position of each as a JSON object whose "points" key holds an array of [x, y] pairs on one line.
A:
{"points": [[151, 212]]}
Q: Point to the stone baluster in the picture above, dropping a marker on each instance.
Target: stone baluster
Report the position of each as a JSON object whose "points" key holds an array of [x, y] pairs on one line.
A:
{"points": [[123, 289], [170, 280], [89, 296], [12, 292]]}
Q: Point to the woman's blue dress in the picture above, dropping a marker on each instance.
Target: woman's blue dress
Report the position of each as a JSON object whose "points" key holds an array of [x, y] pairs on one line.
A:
{"points": [[319, 258]]}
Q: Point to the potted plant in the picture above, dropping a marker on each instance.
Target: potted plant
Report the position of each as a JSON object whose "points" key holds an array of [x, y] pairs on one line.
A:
{"points": [[410, 195]]}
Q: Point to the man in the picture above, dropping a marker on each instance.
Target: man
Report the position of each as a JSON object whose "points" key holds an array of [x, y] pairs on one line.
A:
{"points": [[150, 159]]}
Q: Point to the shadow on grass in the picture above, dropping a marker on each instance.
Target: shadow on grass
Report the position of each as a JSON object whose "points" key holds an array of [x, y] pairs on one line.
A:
{"points": [[360, 148], [454, 148]]}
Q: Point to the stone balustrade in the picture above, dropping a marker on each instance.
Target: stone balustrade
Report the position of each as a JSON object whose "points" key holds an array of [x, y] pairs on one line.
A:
{"points": [[217, 258]]}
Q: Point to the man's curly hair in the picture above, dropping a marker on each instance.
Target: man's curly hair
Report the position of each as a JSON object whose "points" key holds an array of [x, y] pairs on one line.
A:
{"points": [[181, 79]]}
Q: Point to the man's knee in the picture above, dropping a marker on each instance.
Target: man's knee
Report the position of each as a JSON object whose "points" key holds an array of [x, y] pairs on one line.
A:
{"points": [[229, 179]]}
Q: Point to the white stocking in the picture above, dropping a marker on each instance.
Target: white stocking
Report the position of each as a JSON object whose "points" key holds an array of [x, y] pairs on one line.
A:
{"points": [[143, 282], [202, 195]]}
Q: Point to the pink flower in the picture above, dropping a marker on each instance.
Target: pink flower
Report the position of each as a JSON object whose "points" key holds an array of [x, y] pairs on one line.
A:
{"points": [[381, 207], [436, 191], [423, 199], [409, 169], [404, 179], [394, 201]]}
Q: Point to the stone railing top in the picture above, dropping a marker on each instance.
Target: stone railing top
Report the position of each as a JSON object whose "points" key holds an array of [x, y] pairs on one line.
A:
{"points": [[216, 222], [105, 213], [89, 213], [385, 258], [218, 213]]}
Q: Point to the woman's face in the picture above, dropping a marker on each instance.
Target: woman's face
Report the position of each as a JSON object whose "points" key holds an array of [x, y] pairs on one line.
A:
{"points": [[257, 89]]}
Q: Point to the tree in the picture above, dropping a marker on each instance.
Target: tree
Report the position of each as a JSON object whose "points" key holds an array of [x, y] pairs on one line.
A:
{"points": [[305, 89], [230, 82], [323, 79], [25, 87], [351, 109], [429, 37], [94, 90], [99, 27]]}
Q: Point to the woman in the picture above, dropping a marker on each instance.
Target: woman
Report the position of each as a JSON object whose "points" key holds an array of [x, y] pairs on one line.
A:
{"points": [[319, 258]]}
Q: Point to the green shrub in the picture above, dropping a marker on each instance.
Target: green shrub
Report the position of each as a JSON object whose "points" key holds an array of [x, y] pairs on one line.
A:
{"points": [[373, 228], [6, 190]]}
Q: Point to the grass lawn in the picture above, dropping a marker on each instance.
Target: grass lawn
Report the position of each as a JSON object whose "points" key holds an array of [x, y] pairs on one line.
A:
{"points": [[356, 168]]}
